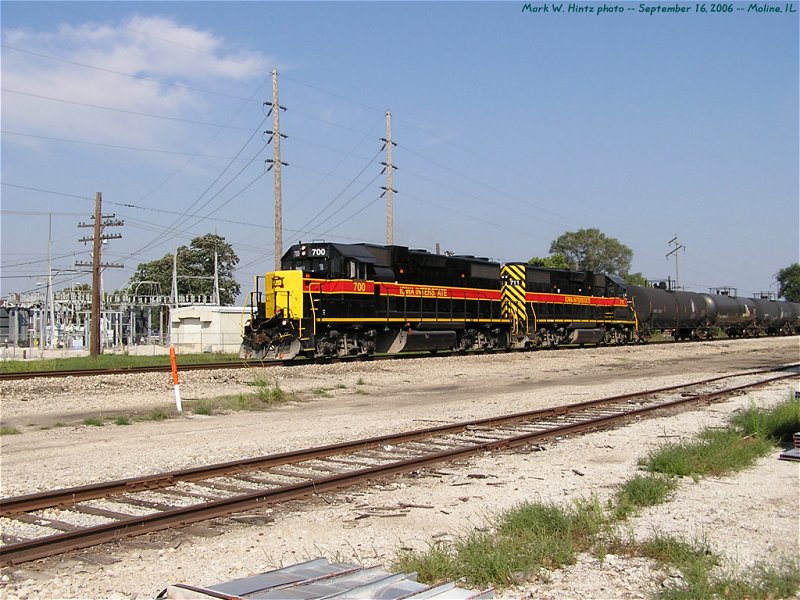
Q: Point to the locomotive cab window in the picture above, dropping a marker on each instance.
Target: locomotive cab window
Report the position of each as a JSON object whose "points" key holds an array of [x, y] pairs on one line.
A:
{"points": [[313, 266], [356, 270]]}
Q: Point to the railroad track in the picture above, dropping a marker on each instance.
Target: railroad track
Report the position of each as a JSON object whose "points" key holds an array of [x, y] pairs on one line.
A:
{"points": [[244, 364], [9, 376], [43, 524]]}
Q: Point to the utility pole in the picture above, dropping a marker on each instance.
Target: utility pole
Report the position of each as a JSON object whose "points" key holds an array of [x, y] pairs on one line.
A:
{"points": [[678, 246], [174, 294], [50, 300], [216, 279], [275, 138], [389, 190], [100, 222]]}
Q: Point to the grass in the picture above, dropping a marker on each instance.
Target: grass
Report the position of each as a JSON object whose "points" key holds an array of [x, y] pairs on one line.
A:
{"points": [[268, 394], [203, 407], [268, 391], [642, 491], [714, 452], [9, 431], [702, 579], [110, 361], [520, 543], [157, 414], [776, 424]]}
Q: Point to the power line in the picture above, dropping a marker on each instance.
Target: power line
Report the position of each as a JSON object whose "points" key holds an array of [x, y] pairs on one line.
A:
{"points": [[339, 195], [122, 110], [129, 75], [115, 146]]}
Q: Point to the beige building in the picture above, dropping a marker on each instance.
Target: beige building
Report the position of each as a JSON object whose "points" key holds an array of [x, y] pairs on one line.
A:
{"points": [[195, 329]]}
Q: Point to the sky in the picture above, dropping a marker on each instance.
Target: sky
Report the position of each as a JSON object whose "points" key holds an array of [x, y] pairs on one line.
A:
{"points": [[512, 124]]}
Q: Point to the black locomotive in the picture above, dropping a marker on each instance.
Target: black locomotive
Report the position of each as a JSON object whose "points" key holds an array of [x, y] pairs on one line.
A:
{"points": [[358, 299]]}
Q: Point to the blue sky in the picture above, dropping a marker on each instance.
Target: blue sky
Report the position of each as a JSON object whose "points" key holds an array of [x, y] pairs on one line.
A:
{"points": [[511, 127]]}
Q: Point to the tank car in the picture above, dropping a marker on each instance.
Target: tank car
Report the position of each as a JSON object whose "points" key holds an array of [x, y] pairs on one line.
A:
{"points": [[735, 316], [793, 318], [686, 315], [777, 317], [770, 315]]}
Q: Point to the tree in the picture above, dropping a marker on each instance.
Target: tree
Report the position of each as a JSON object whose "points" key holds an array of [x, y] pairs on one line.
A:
{"points": [[636, 279], [789, 282], [591, 250], [556, 261], [196, 260]]}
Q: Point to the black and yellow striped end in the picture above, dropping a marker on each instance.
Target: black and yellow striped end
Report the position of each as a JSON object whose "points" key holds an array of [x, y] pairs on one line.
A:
{"points": [[512, 296]]}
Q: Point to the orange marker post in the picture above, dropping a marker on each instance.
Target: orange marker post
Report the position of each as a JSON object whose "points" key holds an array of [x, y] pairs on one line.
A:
{"points": [[175, 379]]}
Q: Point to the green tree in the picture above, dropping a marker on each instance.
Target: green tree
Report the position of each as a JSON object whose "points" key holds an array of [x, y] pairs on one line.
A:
{"points": [[636, 279], [556, 261], [789, 282], [196, 260], [591, 250]]}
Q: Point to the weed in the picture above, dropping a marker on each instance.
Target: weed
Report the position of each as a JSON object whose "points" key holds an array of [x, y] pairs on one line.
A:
{"points": [[322, 392], [520, 541], [533, 537], [202, 408], [642, 491], [94, 421], [9, 431], [360, 381], [701, 579], [435, 565], [776, 424], [157, 414], [715, 452], [122, 420], [268, 392]]}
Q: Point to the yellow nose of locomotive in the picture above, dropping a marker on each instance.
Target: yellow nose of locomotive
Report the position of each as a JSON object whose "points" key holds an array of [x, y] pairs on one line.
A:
{"points": [[284, 292]]}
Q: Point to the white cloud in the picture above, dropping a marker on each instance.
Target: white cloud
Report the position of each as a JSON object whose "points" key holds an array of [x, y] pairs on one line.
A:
{"points": [[153, 47]]}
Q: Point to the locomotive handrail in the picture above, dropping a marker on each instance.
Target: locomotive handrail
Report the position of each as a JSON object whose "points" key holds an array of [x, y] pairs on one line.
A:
{"points": [[313, 308]]}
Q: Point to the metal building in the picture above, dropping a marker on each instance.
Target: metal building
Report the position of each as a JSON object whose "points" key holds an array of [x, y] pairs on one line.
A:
{"points": [[197, 329]]}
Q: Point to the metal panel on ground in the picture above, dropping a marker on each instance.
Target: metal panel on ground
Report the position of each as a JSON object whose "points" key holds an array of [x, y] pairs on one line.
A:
{"points": [[319, 578]]}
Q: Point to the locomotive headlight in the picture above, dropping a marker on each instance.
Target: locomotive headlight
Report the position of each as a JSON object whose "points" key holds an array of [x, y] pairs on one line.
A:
{"points": [[284, 322], [302, 250]]}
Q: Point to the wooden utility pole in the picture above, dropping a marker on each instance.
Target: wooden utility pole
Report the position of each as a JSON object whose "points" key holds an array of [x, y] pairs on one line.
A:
{"points": [[97, 244], [276, 144], [97, 265], [389, 190]]}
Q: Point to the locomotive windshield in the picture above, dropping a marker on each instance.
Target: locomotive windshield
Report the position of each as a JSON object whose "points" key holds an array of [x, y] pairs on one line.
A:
{"points": [[316, 266]]}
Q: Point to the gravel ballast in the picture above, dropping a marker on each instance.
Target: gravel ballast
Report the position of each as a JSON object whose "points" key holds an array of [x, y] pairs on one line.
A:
{"points": [[747, 518]]}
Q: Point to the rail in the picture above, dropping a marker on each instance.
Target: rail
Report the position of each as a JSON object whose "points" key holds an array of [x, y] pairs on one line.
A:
{"points": [[180, 497]]}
